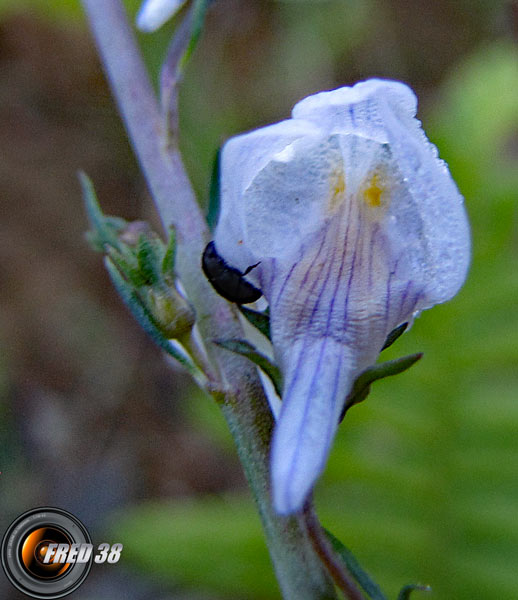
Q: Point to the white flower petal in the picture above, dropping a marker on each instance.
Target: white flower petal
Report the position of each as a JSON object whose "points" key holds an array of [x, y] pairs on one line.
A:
{"points": [[307, 176], [434, 201], [154, 13], [356, 109], [242, 158], [309, 417], [385, 111]]}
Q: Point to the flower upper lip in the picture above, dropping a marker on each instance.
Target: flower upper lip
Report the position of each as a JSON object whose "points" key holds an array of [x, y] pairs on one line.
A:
{"points": [[357, 224]]}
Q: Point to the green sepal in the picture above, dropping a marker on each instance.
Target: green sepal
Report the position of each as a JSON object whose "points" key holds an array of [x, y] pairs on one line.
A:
{"points": [[362, 578], [214, 192], [104, 229], [149, 256], [404, 594], [362, 385], [394, 335], [145, 319], [127, 265], [260, 320], [263, 362], [169, 259]]}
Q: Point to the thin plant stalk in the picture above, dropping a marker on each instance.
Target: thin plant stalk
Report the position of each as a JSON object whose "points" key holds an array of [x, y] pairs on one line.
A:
{"points": [[299, 570], [328, 556]]}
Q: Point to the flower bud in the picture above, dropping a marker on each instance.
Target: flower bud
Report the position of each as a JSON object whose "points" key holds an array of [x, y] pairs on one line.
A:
{"points": [[172, 314]]}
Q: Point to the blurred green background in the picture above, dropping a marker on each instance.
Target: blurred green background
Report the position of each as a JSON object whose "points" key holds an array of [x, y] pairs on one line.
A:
{"points": [[422, 482]]}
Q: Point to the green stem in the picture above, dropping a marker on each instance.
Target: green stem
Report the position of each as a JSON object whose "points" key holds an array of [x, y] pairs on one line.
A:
{"points": [[298, 568], [343, 579]]}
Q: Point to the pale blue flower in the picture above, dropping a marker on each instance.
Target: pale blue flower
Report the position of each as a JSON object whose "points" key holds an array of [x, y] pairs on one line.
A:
{"points": [[356, 225], [154, 13]]}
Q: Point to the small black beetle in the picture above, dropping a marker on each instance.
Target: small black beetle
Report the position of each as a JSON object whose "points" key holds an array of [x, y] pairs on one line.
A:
{"points": [[226, 280]]}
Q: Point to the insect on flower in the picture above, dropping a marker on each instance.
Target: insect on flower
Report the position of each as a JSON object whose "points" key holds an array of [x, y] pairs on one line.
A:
{"points": [[354, 225], [227, 281]]}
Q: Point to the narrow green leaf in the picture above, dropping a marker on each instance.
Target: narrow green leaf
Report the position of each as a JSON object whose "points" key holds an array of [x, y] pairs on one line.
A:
{"points": [[145, 319], [170, 254], [127, 265], [363, 579], [404, 594], [361, 386], [387, 369], [214, 193], [394, 335], [104, 229], [260, 320], [263, 362]]}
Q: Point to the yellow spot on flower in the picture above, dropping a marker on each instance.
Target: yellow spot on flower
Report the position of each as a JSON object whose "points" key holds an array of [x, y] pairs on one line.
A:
{"points": [[372, 194], [337, 189], [339, 184]]}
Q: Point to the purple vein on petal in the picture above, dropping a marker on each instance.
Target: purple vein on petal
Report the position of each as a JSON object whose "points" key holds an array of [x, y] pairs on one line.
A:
{"points": [[302, 424], [294, 266], [284, 283], [373, 241], [404, 297], [317, 370], [411, 305], [330, 399], [342, 262], [351, 114], [388, 303], [351, 274], [314, 285], [273, 271], [331, 425], [302, 311], [314, 311]]}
